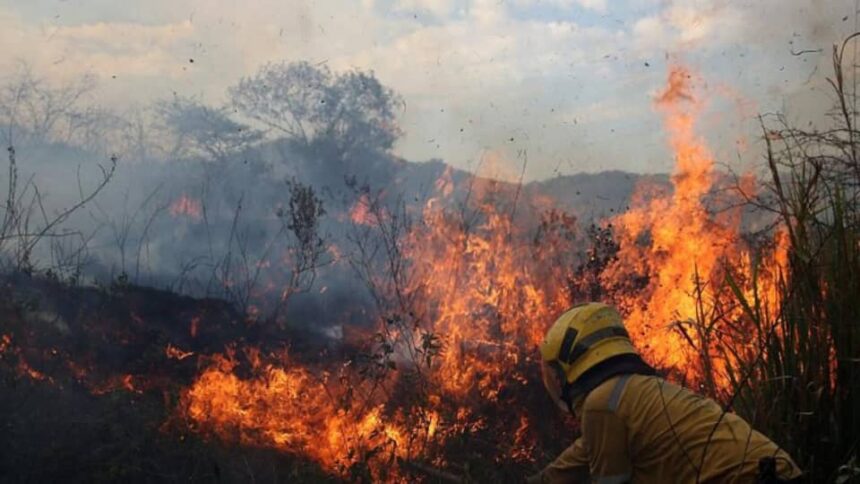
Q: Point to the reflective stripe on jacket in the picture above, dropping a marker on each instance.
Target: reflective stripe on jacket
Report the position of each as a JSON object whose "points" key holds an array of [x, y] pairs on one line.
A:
{"points": [[643, 429]]}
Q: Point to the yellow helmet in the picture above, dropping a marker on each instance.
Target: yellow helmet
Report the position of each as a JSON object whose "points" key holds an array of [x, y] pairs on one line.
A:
{"points": [[583, 337]]}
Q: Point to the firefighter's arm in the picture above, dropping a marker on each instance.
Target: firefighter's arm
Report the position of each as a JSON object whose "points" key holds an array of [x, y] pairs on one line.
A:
{"points": [[571, 466], [605, 439]]}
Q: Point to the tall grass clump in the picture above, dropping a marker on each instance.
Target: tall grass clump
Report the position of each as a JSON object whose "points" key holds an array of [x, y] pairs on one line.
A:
{"points": [[802, 383]]}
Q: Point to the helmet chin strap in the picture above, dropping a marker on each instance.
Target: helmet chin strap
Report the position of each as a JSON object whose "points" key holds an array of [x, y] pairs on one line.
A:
{"points": [[565, 397], [565, 386]]}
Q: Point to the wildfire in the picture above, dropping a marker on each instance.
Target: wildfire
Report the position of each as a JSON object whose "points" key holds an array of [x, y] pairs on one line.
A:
{"points": [[479, 306], [687, 249], [474, 298], [361, 212], [289, 408], [186, 206], [22, 367], [116, 383], [685, 240], [488, 297], [175, 353]]}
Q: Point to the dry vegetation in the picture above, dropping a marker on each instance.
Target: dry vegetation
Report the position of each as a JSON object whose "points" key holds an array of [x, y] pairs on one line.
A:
{"points": [[111, 381]]}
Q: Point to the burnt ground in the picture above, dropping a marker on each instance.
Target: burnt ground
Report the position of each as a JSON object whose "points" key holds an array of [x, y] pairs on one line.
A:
{"points": [[88, 391]]}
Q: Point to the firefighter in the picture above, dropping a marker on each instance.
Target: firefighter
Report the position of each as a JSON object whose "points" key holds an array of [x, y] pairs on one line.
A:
{"points": [[636, 426]]}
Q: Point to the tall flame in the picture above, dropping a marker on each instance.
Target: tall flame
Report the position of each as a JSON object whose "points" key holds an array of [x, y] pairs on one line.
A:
{"points": [[485, 288], [681, 246]]}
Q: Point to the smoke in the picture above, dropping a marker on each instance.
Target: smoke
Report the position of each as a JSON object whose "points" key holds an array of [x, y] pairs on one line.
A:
{"points": [[202, 203], [198, 200]]}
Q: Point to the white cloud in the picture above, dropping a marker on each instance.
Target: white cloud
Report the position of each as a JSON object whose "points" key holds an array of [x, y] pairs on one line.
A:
{"points": [[101, 48], [651, 31], [439, 8], [682, 27], [596, 5], [476, 63]]}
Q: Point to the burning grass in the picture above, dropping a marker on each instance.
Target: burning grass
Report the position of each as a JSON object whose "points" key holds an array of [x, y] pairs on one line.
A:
{"points": [[443, 384], [288, 407], [465, 293]]}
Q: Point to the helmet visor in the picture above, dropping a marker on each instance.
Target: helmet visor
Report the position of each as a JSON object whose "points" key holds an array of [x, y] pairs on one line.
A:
{"points": [[553, 383]]}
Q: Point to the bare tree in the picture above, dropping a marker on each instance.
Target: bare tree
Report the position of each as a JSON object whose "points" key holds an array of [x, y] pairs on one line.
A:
{"points": [[35, 110], [26, 221]]}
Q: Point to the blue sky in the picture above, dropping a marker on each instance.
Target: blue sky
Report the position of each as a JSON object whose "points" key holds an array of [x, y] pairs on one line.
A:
{"points": [[569, 81]]}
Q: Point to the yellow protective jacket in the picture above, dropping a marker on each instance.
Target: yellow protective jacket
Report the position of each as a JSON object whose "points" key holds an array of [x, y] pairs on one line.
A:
{"points": [[643, 429]]}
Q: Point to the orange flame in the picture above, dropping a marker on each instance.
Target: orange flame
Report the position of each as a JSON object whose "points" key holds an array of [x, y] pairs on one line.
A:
{"points": [[687, 248], [5, 342], [186, 206], [116, 383], [291, 409], [24, 368], [478, 295], [361, 212], [175, 353]]}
